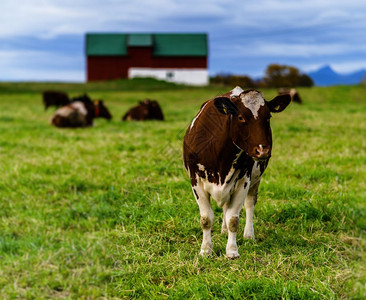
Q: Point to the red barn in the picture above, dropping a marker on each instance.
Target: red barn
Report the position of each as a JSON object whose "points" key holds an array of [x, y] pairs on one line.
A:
{"points": [[180, 58]]}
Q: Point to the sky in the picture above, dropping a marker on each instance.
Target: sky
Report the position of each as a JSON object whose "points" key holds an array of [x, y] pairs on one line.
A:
{"points": [[43, 40]]}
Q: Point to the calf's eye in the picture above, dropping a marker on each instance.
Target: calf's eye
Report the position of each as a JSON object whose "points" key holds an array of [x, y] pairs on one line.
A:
{"points": [[241, 119]]}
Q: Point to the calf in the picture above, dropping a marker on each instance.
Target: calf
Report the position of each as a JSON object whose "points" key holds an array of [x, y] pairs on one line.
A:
{"points": [[54, 98], [80, 114], [145, 110], [226, 150], [295, 97]]}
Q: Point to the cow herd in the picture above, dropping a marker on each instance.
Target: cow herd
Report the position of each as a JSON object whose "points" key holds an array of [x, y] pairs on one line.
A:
{"points": [[80, 111]]}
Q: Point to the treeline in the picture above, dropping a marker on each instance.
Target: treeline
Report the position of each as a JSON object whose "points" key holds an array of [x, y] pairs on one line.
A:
{"points": [[276, 76]]}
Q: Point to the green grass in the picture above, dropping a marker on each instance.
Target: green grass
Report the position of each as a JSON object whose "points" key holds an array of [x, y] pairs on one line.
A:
{"points": [[107, 212]]}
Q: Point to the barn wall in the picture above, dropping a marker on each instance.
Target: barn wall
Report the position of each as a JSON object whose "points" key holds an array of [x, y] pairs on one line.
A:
{"points": [[179, 62], [185, 76], [106, 68], [116, 67], [139, 57]]}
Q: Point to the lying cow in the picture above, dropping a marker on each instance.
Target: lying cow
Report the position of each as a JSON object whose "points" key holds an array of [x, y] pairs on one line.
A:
{"points": [[295, 97], [55, 98], [226, 150], [146, 110], [79, 114]]}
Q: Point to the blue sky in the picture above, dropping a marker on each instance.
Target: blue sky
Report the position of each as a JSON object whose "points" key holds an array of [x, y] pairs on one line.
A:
{"points": [[44, 39]]}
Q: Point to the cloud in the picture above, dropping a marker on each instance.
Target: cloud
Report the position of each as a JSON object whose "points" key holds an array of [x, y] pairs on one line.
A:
{"points": [[24, 74], [49, 18], [259, 49], [40, 65], [242, 34]]}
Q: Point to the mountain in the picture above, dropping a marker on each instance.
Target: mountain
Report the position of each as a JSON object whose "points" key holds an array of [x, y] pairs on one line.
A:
{"points": [[326, 76]]}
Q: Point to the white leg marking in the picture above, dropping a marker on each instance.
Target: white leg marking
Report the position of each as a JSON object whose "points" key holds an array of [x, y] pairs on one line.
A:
{"points": [[206, 220], [251, 200], [232, 219], [224, 226], [231, 246], [249, 210]]}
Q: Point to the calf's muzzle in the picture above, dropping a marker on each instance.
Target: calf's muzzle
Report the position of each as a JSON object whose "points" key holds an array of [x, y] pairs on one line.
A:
{"points": [[261, 152]]}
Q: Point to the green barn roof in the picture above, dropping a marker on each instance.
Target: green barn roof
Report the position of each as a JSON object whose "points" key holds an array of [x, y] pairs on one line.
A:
{"points": [[163, 44], [140, 39], [106, 44]]}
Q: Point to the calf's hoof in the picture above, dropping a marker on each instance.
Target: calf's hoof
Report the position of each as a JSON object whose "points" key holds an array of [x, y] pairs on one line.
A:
{"points": [[249, 234], [206, 250], [232, 254]]}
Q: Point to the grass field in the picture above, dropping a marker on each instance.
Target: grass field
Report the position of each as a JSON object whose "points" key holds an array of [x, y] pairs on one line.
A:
{"points": [[107, 212]]}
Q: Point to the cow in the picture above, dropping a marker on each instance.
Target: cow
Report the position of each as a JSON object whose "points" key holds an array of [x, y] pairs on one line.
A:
{"points": [[82, 98], [80, 114], [145, 110], [295, 97], [226, 149], [100, 110], [55, 98]]}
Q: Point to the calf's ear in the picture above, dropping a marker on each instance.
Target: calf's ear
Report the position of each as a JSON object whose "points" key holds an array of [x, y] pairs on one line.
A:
{"points": [[225, 106], [279, 103]]}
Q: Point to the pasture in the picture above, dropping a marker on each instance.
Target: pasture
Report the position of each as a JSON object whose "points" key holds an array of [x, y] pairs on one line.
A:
{"points": [[107, 212]]}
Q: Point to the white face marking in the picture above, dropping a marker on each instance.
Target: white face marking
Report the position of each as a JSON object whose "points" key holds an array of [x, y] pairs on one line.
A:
{"points": [[236, 92], [253, 100], [194, 120]]}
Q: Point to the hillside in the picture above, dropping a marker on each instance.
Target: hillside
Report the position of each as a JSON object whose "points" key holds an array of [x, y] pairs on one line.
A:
{"points": [[326, 76]]}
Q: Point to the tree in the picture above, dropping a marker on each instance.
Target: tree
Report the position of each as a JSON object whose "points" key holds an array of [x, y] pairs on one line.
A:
{"points": [[363, 81], [305, 80], [243, 81], [285, 76]]}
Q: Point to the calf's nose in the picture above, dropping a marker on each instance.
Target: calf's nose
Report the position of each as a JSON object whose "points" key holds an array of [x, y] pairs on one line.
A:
{"points": [[262, 151]]}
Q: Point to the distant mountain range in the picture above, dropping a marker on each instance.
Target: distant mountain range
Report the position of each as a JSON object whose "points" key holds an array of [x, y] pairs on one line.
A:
{"points": [[326, 76]]}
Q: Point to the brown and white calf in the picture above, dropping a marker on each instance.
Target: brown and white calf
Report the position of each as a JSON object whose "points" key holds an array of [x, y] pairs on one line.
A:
{"points": [[294, 94], [80, 113], [145, 110], [226, 150]]}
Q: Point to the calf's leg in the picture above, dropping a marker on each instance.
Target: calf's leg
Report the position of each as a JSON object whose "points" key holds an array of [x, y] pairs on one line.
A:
{"points": [[206, 220], [224, 226], [232, 221], [249, 204]]}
